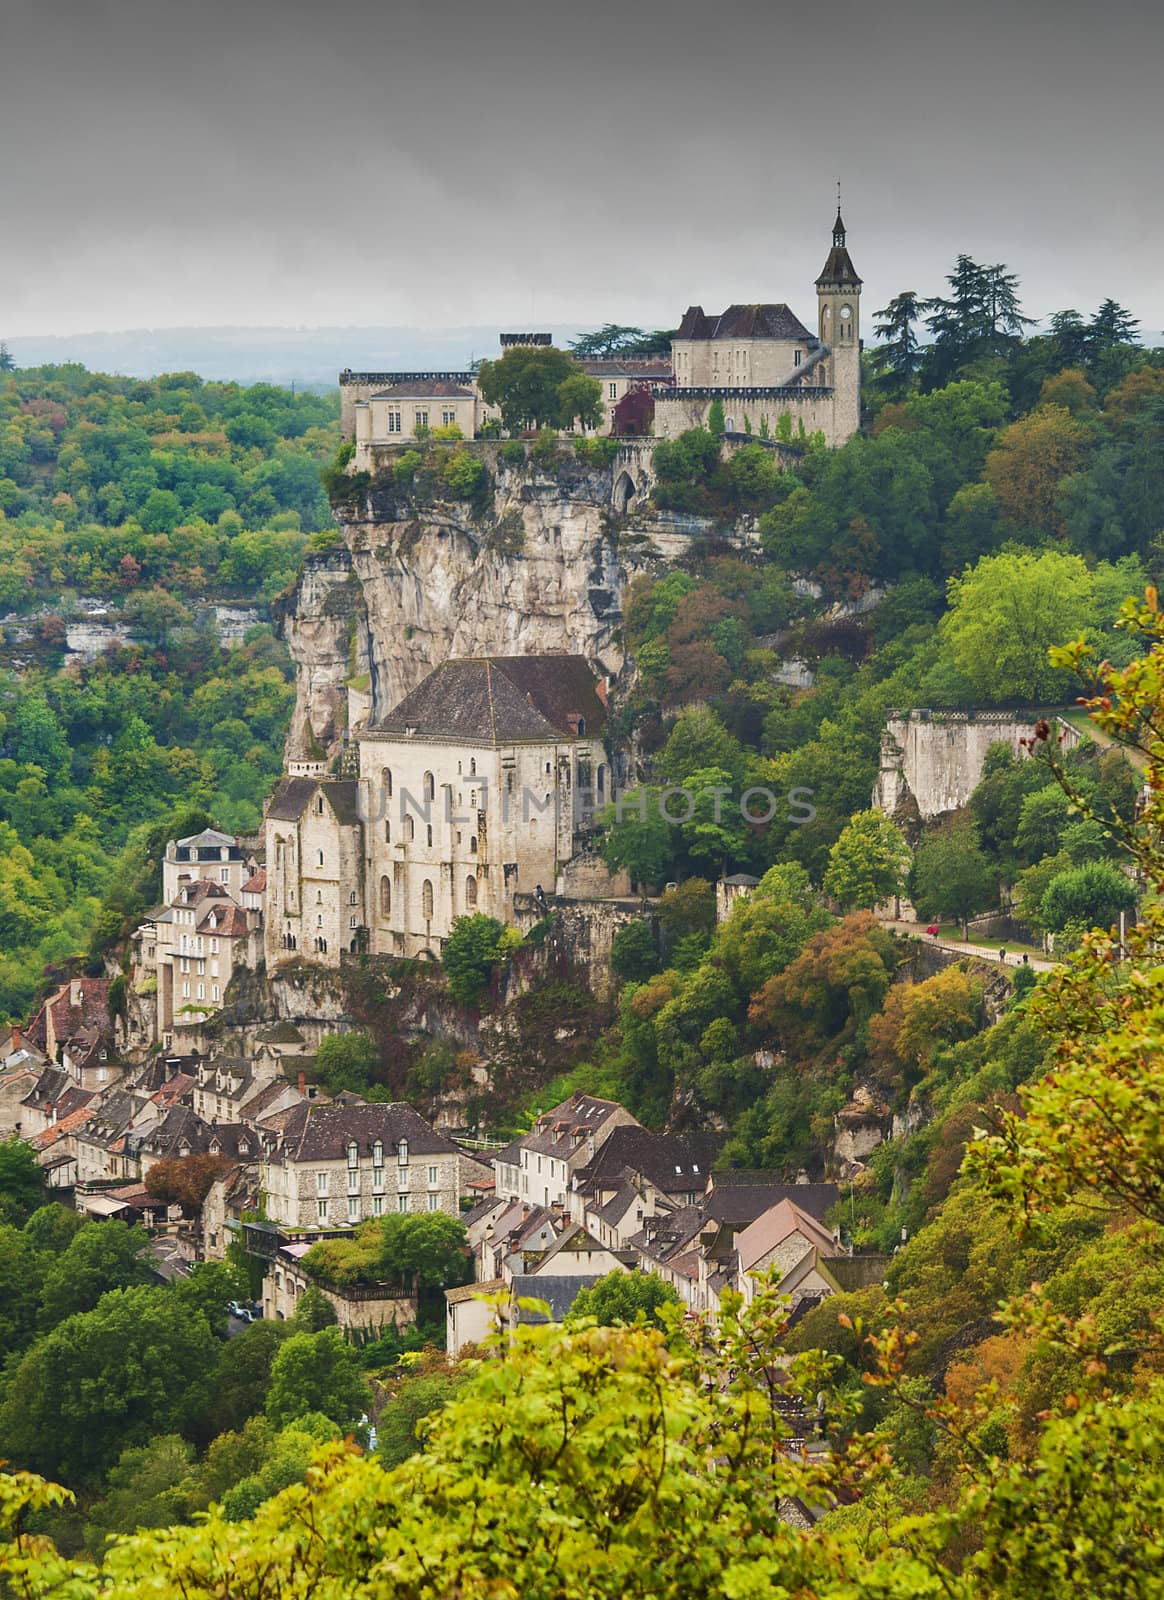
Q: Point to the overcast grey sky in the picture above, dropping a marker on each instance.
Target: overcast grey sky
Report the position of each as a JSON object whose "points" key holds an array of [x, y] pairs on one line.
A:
{"points": [[524, 161]]}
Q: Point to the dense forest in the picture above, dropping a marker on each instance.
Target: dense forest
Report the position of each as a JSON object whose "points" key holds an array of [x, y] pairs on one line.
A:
{"points": [[154, 498], [993, 1409]]}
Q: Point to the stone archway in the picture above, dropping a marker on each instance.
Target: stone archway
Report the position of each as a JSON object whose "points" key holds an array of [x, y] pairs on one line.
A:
{"points": [[624, 491]]}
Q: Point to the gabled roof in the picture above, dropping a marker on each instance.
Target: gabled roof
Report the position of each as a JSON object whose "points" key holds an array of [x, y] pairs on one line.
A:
{"points": [[294, 795], [555, 1132], [496, 700], [470, 1291], [673, 1163], [740, 1197], [743, 322], [775, 1225], [257, 882], [227, 921], [323, 1133]]}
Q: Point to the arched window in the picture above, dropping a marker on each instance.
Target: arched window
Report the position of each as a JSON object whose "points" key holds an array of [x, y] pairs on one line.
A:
{"points": [[402, 1152], [473, 767], [472, 844], [409, 830], [378, 1153], [352, 898], [319, 805], [581, 726], [470, 890], [386, 779], [319, 897], [429, 786], [387, 833], [428, 831], [353, 1154], [385, 897], [321, 858], [426, 900]]}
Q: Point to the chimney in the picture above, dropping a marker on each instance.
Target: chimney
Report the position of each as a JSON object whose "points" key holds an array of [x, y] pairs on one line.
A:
{"points": [[75, 992], [17, 1040], [301, 1083]]}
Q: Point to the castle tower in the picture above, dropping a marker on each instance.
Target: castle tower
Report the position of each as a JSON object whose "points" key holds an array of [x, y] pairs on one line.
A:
{"points": [[838, 298]]}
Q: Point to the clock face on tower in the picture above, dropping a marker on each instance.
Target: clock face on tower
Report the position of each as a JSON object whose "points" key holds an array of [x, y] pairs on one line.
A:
{"points": [[846, 313]]}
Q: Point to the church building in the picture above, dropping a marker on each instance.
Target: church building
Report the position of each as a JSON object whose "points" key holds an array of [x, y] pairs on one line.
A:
{"points": [[474, 789]]}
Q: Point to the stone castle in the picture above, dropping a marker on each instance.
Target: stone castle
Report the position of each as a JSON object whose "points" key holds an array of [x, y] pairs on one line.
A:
{"points": [[758, 361]]}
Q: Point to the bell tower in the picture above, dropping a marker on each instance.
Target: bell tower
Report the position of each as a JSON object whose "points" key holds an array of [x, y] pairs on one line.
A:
{"points": [[838, 300]]}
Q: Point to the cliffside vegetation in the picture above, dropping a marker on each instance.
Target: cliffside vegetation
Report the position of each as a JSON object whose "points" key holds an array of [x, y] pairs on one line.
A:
{"points": [[150, 497]]}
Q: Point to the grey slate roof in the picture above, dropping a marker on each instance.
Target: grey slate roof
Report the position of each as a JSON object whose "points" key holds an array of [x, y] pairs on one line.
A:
{"points": [[559, 1292], [424, 389], [673, 1163], [501, 700], [739, 1203], [323, 1133], [293, 796], [742, 322]]}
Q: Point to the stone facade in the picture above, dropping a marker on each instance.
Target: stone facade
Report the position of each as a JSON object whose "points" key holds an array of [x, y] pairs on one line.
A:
{"points": [[315, 871], [761, 363], [366, 1306], [335, 1166], [476, 786], [933, 760]]}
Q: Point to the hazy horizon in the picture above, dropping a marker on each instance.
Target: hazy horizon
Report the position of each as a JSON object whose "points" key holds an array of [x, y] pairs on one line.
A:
{"points": [[254, 163]]}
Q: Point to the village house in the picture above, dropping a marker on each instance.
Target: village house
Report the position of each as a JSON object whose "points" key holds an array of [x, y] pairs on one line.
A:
{"points": [[539, 1168], [241, 1089], [374, 1307], [209, 855], [74, 1028], [343, 1164], [475, 787], [637, 1174]]}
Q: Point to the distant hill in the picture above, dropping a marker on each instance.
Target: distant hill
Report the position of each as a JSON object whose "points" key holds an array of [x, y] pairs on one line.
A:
{"points": [[311, 358]]}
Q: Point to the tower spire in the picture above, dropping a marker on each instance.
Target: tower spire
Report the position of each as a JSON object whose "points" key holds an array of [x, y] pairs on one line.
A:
{"points": [[839, 224]]}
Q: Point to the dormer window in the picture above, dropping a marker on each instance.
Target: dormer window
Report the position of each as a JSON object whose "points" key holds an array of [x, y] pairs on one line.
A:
{"points": [[353, 1154], [378, 1153], [402, 1153]]}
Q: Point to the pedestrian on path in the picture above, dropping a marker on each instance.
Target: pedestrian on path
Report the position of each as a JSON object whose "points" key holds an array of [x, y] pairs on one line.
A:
{"points": [[1002, 955]]}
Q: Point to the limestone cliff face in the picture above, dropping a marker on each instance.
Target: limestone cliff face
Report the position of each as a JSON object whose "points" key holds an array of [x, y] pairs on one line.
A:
{"points": [[544, 566]]}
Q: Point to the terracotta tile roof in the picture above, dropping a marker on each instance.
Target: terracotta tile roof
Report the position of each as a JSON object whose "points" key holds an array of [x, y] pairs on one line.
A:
{"points": [[502, 700], [256, 883], [228, 922], [743, 322], [62, 1127]]}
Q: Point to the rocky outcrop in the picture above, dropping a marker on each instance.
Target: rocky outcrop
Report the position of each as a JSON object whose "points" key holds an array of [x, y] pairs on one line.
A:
{"points": [[543, 566]]}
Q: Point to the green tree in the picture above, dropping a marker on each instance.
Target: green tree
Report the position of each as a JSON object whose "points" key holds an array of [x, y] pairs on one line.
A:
{"points": [[314, 1311], [21, 1272], [346, 1061], [137, 1365], [896, 358], [414, 1398], [243, 1376], [471, 952], [101, 1256], [1006, 612], [151, 1486], [7, 362], [868, 863], [716, 424], [1093, 894], [21, 1181], [317, 1372], [638, 837], [52, 1227], [951, 876], [535, 386], [634, 954], [624, 1297]]}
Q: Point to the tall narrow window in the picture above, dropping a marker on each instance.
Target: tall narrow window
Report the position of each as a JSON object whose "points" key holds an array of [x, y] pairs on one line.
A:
{"points": [[426, 900], [402, 1153], [385, 896], [470, 890], [429, 786]]}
